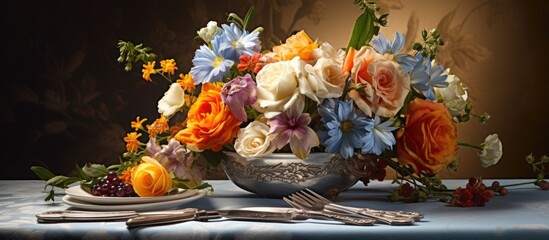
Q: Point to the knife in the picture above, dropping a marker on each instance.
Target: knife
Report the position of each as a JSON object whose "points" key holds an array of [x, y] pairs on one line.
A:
{"points": [[289, 215], [76, 216]]}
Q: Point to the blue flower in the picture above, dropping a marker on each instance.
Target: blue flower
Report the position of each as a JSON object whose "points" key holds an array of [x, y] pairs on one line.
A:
{"points": [[237, 42], [346, 127], [384, 46], [380, 138], [210, 65], [426, 75]]}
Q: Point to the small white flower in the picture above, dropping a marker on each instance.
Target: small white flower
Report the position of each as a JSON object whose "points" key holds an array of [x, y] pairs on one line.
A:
{"points": [[173, 99], [492, 150], [208, 32]]}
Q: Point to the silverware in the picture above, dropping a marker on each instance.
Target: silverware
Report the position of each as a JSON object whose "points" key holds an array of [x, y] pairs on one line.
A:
{"points": [[74, 215], [311, 198], [272, 215]]}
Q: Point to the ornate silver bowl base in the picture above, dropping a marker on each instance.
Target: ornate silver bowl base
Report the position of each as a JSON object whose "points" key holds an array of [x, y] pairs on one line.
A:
{"points": [[282, 174]]}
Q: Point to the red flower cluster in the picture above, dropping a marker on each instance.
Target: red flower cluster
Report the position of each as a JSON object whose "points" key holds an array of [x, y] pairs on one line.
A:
{"points": [[377, 170], [474, 194]]}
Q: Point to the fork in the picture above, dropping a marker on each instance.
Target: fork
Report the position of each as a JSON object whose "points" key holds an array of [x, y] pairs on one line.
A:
{"points": [[326, 215], [315, 197], [391, 217]]}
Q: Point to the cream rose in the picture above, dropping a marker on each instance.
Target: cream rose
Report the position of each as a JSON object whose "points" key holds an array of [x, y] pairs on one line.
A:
{"points": [[277, 88], [253, 140], [172, 100], [384, 83], [454, 96], [150, 178]]}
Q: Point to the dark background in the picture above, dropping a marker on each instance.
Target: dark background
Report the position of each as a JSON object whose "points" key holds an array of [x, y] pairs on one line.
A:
{"points": [[65, 100]]}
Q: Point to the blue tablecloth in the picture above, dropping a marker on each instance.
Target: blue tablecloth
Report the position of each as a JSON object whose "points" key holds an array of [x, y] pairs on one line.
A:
{"points": [[523, 213]]}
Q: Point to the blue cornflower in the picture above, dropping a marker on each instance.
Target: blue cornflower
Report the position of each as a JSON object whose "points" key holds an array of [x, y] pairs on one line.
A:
{"points": [[426, 75], [210, 65], [237, 42], [346, 127], [383, 46], [380, 138]]}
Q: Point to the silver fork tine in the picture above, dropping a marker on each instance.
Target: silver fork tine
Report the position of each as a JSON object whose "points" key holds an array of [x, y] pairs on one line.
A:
{"points": [[307, 211], [311, 193], [303, 197], [317, 196], [300, 201], [292, 203]]}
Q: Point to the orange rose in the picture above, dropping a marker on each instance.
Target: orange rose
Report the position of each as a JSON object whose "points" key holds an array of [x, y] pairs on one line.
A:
{"points": [[299, 44], [150, 178], [210, 123], [428, 142]]}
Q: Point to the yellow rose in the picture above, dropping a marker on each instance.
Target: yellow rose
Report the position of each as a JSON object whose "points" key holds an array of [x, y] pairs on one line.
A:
{"points": [[150, 178]]}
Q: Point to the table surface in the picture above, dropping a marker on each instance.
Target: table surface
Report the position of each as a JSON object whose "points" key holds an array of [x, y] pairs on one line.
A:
{"points": [[523, 213]]}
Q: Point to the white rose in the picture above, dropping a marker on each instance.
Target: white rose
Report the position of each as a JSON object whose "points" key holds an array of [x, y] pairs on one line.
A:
{"points": [[277, 88], [454, 96], [314, 82], [253, 141], [173, 99], [326, 50], [492, 150], [208, 32]]}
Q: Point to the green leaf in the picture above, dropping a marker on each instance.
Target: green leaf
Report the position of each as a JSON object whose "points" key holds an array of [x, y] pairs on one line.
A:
{"points": [[42, 173], [95, 170], [363, 30], [81, 173], [249, 17], [62, 181], [236, 20], [50, 196], [213, 158]]}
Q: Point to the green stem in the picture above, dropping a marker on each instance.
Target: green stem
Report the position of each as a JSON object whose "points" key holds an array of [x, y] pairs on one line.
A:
{"points": [[518, 184], [470, 145]]}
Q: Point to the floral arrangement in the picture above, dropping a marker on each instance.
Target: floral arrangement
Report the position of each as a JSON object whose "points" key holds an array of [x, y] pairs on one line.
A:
{"points": [[370, 103]]}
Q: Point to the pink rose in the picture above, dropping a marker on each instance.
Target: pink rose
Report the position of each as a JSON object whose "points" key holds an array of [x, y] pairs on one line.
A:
{"points": [[383, 83]]}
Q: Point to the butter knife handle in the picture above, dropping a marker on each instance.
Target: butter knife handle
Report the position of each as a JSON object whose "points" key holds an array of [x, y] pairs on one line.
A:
{"points": [[150, 220]]}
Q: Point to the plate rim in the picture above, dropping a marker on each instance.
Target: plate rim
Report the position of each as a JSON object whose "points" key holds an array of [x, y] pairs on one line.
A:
{"points": [[76, 192], [67, 199]]}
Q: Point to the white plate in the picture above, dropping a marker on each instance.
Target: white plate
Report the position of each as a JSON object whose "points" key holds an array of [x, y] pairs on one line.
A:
{"points": [[150, 206], [77, 193]]}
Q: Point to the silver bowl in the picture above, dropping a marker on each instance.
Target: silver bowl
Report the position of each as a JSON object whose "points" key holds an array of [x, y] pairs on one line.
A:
{"points": [[281, 174]]}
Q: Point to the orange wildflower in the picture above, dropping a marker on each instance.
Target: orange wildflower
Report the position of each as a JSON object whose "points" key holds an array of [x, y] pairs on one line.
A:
{"points": [[126, 176], [210, 123], [138, 124], [159, 125], [132, 144], [176, 128], [189, 100], [148, 69], [168, 66], [187, 82]]}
